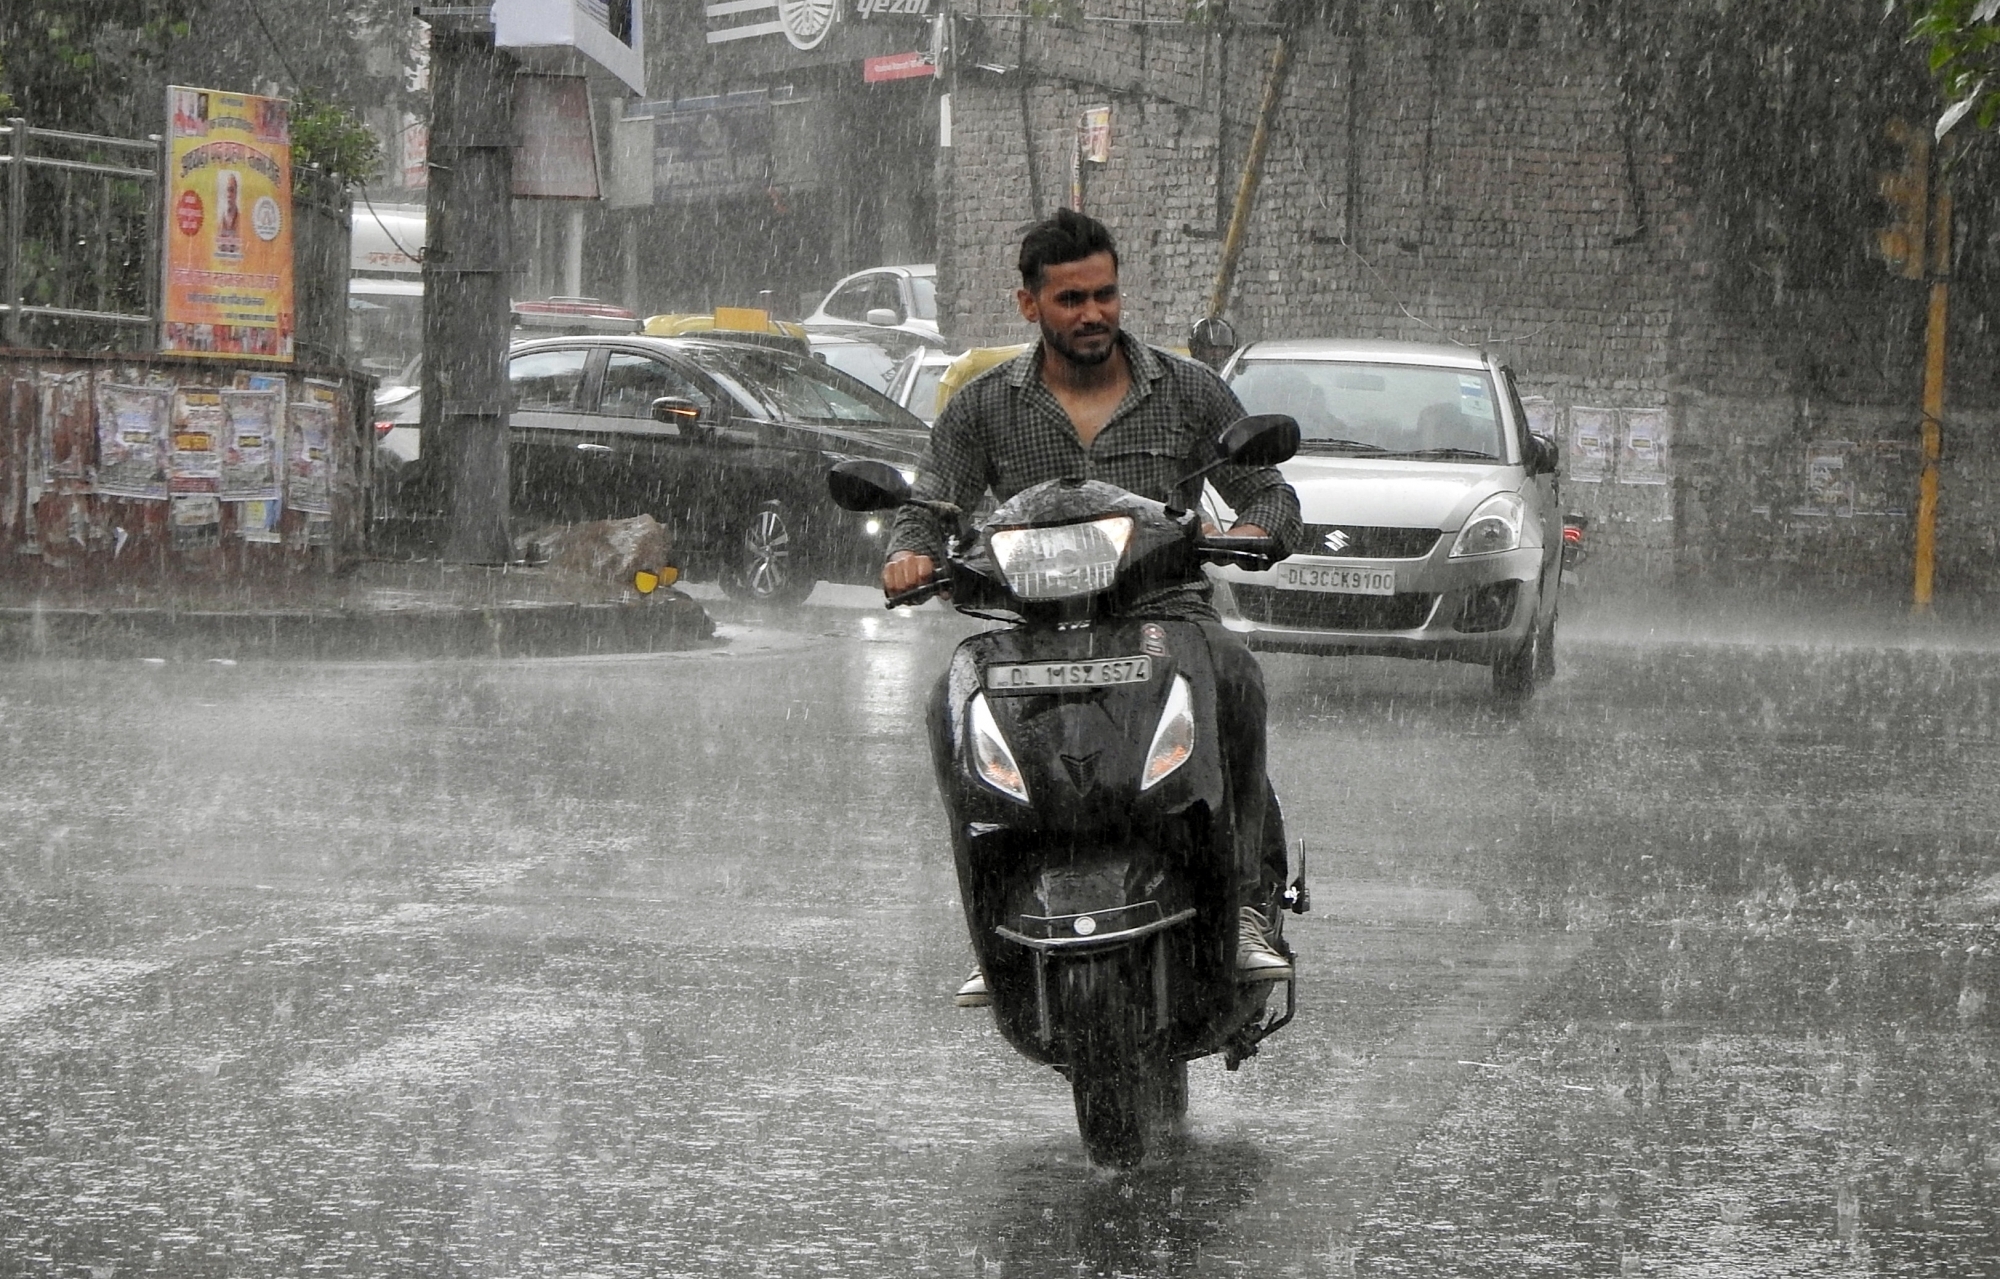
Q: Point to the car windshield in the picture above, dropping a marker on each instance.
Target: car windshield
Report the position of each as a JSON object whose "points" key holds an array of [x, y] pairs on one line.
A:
{"points": [[875, 367], [1365, 410], [923, 296], [799, 388]]}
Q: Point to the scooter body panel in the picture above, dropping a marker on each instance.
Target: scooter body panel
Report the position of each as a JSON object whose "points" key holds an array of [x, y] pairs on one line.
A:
{"points": [[1094, 875]]}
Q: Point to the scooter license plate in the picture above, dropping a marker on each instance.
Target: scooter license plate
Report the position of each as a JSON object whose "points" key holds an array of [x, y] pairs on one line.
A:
{"points": [[1036, 676]]}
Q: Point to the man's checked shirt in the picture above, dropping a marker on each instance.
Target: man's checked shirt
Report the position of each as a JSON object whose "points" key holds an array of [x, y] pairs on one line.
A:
{"points": [[1006, 431]]}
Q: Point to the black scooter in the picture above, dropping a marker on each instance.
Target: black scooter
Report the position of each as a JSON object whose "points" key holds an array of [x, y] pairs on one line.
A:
{"points": [[1092, 815]]}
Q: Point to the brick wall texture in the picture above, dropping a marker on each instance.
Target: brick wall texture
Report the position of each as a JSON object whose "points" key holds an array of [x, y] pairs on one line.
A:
{"points": [[1490, 184]]}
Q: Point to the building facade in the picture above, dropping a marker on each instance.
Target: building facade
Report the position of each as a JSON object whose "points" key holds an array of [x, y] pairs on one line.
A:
{"points": [[1665, 218]]}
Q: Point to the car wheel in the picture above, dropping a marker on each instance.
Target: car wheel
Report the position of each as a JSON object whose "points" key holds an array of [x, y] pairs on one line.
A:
{"points": [[1515, 674], [767, 562]]}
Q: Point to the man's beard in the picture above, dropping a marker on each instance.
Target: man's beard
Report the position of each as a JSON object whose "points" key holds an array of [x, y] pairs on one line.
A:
{"points": [[1084, 359]]}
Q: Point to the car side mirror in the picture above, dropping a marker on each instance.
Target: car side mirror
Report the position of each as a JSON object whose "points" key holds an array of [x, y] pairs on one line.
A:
{"points": [[883, 317], [864, 484], [1541, 455], [1261, 439], [676, 410]]}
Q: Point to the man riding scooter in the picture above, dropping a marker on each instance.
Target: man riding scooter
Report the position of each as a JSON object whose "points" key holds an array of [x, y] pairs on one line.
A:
{"points": [[1088, 401]]}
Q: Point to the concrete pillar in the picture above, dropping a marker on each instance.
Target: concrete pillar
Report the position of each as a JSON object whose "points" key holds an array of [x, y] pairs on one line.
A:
{"points": [[469, 252]]}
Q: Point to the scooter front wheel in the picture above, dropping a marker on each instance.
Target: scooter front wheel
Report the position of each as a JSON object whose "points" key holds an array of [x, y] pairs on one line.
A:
{"points": [[1126, 1095]]}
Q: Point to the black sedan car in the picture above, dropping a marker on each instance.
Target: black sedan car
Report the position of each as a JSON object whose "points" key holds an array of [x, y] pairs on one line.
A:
{"points": [[726, 443]]}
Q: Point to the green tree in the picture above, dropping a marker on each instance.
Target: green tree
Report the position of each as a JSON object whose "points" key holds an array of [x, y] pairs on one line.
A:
{"points": [[1962, 38]]}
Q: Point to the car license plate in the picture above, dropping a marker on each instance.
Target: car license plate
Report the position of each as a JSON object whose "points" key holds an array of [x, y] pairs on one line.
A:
{"points": [[1337, 580], [1043, 675]]}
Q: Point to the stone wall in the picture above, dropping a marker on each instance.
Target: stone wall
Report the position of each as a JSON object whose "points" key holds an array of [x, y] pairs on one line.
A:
{"points": [[1498, 184]]}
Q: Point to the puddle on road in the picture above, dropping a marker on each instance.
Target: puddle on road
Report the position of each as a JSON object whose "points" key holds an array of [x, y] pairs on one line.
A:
{"points": [[1715, 1104]]}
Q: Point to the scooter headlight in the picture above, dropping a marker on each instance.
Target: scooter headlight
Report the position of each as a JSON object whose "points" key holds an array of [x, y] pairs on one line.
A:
{"points": [[1173, 740], [990, 756], [1063, 561]]}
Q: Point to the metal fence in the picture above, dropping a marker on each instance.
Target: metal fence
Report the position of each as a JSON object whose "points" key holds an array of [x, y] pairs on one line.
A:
{"points": [[79, 260]]}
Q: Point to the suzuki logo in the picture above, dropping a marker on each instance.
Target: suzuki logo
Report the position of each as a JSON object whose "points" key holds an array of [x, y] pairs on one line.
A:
{"points": [[1336, 541]]}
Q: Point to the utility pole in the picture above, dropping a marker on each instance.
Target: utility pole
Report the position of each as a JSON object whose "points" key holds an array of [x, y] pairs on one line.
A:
{"points": [[1935, 334], [468, 257]]}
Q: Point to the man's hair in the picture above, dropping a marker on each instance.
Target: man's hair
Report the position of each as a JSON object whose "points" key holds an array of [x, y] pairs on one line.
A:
{"points": [[1069, 236]]}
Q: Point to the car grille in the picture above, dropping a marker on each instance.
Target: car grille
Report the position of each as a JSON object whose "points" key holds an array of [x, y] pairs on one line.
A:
{"points": [[1361, 541], [1315, 611]]}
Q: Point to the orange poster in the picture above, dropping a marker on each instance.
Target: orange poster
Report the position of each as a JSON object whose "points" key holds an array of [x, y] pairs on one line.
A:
{"points": [[229, 225]]}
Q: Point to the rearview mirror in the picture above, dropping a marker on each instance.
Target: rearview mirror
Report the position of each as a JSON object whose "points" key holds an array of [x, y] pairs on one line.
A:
{"points": [[1212, 341], [675, 410], [1261, 439], [883, 318], [863, 484]]}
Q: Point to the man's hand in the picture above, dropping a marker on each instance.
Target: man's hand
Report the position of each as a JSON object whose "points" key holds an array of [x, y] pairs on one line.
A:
{"points": [[906, 570], [1246, 530]]}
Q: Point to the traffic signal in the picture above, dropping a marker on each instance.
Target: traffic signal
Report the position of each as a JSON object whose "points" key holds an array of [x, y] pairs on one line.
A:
{"points": [[1906, 189]]}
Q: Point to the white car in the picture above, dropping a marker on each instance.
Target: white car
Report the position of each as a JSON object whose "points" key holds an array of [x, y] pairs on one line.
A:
{"points": [[1432, 523], [883, 297]]}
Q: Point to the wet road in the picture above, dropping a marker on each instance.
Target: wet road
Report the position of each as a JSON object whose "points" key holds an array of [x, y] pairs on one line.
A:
{"points": [[641, 966]]}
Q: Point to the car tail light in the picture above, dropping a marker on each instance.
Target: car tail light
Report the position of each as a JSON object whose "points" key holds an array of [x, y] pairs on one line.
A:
{"points": [[383, 428], [1572, 535]]}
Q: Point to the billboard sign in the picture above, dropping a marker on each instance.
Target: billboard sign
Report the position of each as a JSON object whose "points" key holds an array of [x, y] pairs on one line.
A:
{"points": [[229, 226], [708, 147]]}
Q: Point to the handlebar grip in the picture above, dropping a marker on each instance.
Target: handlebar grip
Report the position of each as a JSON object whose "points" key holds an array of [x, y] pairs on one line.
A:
{"points": [[1253, 553], [915, 595]]}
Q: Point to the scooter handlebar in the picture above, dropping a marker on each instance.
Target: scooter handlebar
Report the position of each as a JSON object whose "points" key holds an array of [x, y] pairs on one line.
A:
{"points": [[1252, 553], [915, 595]]}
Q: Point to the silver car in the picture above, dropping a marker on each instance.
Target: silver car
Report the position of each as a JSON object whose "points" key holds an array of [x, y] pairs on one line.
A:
{"points": [[1431, 514]]}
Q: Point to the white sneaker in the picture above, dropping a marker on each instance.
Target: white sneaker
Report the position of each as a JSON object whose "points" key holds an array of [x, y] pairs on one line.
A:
{"points": [[1256, 958], [973, 994]]}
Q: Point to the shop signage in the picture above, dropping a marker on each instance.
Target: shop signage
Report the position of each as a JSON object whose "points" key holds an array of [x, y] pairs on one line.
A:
{"points": [[229, 245], [897, 66], [805, 24], [708, 147]]}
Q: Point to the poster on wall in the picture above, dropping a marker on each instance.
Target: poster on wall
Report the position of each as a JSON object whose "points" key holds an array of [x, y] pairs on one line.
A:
{"points": [[132, 424], [1544, 418], [1643, 453], [64, 442], [195, 521], [1829, 480], [1589, 451], [258, 521], [229, 226], [250, 445], [309, 452], [194, 460]]}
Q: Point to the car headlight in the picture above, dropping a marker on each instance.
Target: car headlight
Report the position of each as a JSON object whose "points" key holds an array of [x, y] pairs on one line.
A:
{"points": [[990, 756], [909, 474], [1173, 740], [1495, 526], [1063, 561]]}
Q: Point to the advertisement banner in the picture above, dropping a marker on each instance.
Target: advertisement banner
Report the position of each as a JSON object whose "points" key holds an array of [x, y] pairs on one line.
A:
{"points": [[555, 155], [229, 226], [710, 147]]}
